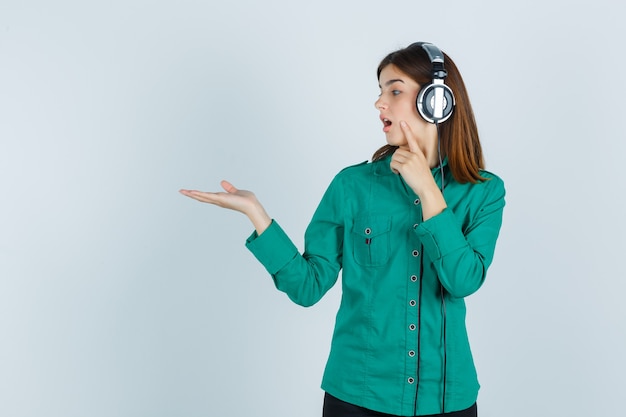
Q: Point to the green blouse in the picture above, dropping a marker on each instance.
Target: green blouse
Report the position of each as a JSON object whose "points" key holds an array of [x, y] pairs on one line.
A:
{"points": [[400, 344]]}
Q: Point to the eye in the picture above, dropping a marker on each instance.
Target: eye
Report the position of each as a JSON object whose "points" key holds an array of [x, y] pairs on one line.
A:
{"points": [[395, 92]]}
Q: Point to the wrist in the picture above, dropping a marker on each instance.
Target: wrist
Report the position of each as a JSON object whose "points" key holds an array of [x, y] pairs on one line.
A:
{"points": [[433, 203], [259, 218]]}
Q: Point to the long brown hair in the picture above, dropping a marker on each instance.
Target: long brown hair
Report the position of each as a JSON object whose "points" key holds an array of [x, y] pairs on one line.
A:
{"points": [[459, 134]]}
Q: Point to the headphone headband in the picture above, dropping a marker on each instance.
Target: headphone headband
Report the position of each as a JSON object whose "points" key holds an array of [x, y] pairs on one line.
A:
{"points": [[435, 101]]}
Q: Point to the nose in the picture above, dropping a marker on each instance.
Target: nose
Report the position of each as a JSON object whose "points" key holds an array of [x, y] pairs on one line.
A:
{"points": [[380, 103]]}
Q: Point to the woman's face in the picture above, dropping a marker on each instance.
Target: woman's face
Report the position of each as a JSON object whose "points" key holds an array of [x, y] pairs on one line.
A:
{"points": [[396, 103]]}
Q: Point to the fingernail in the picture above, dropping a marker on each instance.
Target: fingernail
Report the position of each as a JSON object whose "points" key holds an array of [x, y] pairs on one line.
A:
{"points": [[403, 123]]}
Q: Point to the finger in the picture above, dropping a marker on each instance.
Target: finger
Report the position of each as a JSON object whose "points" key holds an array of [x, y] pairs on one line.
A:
{"points": [[400, 157], [199, 195], [401, 154], [395, 164], [410, 137], [186, 192], [228, 187]]}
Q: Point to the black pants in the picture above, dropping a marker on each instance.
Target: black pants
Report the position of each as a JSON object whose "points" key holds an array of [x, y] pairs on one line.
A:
{"points": [[334, 407]]}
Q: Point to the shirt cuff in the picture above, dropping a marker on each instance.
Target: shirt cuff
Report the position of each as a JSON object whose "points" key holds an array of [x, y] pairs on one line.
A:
{"points": [[441, 234], [272, 248]]}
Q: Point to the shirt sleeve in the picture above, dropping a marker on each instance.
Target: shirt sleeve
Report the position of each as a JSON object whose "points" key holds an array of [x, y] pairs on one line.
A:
{"points": [[305, 277], [461, 255]]}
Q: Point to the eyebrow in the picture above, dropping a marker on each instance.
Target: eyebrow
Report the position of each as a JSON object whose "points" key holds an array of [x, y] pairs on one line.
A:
{"points": [[388, 83]]}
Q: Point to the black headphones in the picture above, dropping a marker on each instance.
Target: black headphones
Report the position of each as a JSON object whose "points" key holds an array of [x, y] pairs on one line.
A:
{"points": [[435, 101]]}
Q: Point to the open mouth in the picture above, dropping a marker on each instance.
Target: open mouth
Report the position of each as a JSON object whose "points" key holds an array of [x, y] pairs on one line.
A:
{"points": [[386, 124]]}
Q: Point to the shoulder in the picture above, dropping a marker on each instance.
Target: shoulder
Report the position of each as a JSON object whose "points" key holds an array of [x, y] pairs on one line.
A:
{"points": [[353, 171], [366, 168], [488, 174], [345, 181], [354, 168], [357, 177], [491, 190], [492, 181], [486, 191]]}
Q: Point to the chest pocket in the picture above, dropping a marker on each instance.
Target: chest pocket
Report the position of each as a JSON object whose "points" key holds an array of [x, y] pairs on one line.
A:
{"points": [[371, 240]]}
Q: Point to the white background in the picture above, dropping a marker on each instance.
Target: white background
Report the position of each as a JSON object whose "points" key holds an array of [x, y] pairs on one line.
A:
{"points": [[120, 297]]}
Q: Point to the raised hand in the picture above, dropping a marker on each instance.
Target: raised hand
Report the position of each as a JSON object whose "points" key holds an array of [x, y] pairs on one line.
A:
{"points": [[414, 165], [234, 199], [410, 161]]}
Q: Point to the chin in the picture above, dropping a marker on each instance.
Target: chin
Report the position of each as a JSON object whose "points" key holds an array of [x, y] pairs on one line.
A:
{"points": [[395, 142]]}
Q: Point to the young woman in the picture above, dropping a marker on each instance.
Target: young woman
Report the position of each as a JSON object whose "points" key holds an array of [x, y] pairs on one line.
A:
{"points": [[414, 232]]}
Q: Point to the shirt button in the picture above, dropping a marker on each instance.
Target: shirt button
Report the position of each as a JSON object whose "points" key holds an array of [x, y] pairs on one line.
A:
{"points": [[413, 278], [417, 201], [412, 303], [411, 353], [415, 225], [411, 327], [368, 231], [410, 380], [415, 253]]}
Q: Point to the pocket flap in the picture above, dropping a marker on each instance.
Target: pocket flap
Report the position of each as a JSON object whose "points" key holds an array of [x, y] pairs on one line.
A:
{"points": [[370, 227]]}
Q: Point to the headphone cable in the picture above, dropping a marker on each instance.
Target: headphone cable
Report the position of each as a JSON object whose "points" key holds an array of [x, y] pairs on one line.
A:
{"points": [[439, 156], [442, 291]]}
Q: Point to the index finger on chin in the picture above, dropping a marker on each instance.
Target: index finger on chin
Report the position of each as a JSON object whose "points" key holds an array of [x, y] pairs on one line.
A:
{"points": [[408, 134]]}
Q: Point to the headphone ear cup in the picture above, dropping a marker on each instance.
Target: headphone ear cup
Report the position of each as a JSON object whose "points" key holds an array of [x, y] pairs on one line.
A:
{"points": [[426, 103]]}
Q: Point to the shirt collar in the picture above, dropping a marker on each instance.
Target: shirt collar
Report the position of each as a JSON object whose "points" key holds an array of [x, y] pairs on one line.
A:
{"points": [[382, 167]]}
